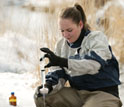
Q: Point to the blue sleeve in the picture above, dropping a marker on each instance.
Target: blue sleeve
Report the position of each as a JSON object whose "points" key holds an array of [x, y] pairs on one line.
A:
{"points": [[110, 62], [94, 56], [53, 77]]}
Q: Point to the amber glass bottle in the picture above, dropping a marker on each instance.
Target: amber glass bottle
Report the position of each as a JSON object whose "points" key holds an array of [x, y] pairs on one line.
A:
{"points": [[12, 99]]}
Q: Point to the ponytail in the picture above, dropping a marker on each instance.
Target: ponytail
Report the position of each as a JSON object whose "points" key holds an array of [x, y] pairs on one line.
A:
{"points": [[83, 16], [80, 9]]}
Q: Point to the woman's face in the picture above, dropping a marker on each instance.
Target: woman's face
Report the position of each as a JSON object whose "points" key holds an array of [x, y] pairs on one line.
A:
{"points": [[70, 30]]}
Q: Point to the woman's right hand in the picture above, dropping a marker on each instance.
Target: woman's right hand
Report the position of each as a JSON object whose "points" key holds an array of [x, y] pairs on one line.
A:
{"points": [[40, 91]]}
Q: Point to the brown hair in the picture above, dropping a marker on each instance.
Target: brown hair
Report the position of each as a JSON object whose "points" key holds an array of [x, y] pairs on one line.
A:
{"points": [[75, 13]]}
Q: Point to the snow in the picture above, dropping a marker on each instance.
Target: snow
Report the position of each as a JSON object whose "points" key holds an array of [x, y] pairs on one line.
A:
{"points": [[100, 12], [39, 2], [121, 2], [18, 83], [14, 72]]}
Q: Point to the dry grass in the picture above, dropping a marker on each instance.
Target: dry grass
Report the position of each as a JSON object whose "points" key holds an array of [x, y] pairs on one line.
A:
{"points": [[115, 30]]}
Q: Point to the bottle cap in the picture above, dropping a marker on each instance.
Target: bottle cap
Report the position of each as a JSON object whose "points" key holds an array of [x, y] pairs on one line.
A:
{"points": [[12, 93]]}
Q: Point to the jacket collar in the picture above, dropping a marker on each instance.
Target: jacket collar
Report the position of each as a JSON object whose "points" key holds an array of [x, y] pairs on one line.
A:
{"points": [[78, 42]]}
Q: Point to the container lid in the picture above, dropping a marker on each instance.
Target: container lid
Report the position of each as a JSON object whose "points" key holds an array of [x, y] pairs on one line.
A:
{"points": [[12, 93]]}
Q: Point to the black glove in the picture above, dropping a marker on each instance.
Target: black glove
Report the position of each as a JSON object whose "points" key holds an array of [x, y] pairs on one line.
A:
{"points": [[54, 60], [38, 94], [52, 78]]}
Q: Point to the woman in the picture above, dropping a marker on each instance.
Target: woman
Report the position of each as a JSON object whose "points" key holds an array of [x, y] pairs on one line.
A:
{"points": [[85, 59]]}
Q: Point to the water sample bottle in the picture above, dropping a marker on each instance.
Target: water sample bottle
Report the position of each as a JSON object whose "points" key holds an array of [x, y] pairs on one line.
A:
{"points": [[12, 99]]}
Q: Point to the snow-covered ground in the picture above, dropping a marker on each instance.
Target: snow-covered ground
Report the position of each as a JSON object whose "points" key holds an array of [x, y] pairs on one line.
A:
{"points": [[21, 85], [15, 71]]}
